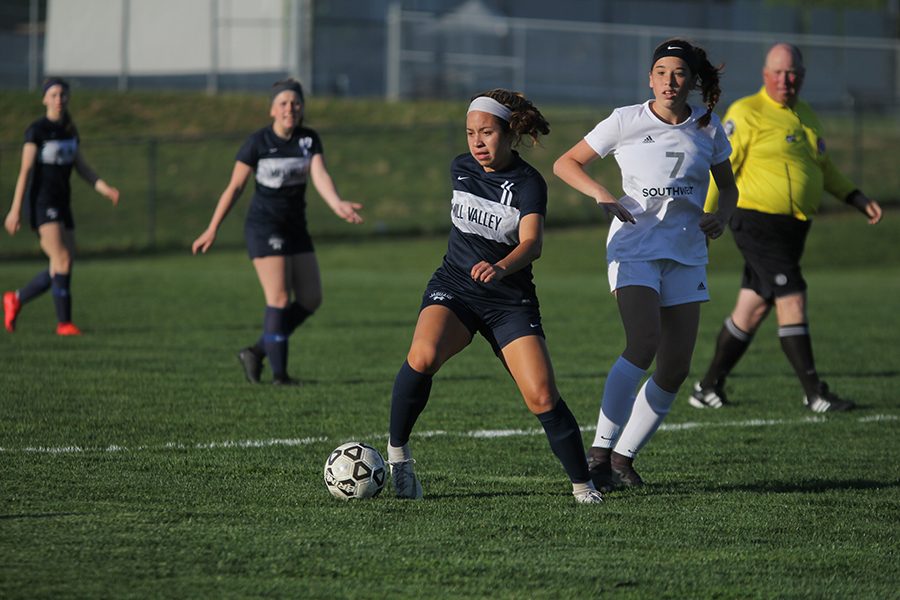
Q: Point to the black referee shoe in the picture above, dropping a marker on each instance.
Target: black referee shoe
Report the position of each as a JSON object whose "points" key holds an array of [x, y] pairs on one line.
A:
{"points": [[827, 401], [252, 364], [713, 397], [285, 380]]}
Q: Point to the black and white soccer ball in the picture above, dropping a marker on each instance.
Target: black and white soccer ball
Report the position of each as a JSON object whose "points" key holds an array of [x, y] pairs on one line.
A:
{"points": [[355, 470]]}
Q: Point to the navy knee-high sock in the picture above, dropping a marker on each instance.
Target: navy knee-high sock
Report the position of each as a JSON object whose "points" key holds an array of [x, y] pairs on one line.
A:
{"points": [[565, 441], [295, 315], [34, 288], [275, 340], [408, 400], [62, 299]]}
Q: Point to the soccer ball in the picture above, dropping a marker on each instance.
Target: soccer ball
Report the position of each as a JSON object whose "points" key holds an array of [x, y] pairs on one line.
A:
{"points": [[354, 470]]}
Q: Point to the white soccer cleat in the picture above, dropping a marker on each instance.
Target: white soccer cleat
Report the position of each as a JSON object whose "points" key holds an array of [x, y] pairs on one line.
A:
{"points": [[403, 477], [588, 497]]}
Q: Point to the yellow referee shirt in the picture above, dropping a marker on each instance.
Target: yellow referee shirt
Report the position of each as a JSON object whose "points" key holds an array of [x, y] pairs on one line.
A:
{"points": [[779, 158]]}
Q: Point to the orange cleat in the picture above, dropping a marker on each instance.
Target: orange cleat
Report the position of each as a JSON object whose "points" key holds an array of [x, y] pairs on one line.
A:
{"points": [[67, 329], [11, 308]]}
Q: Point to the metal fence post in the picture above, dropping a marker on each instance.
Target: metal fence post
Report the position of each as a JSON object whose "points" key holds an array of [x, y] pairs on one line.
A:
{"points": [[394, 47], [152, 149]]}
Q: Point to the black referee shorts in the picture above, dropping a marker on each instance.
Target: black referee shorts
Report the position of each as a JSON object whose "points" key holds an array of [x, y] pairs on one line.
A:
{"points": [[772, 246]]}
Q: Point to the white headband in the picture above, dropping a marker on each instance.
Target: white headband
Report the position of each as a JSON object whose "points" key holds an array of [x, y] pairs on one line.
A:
{"points": [[491, 106]]}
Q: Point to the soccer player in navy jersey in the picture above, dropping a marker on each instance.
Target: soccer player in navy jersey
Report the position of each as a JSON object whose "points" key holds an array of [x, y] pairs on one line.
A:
{"points": [[51, 150], [484, 285], [283, 156], [657, 247]]}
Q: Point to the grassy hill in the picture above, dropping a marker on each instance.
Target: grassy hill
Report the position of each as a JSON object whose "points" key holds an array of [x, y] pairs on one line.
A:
{"points": [[171, 153]]}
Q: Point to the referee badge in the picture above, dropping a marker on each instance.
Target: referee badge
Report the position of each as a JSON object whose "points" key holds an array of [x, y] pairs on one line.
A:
{"points": [[728, 126], [820, 145]]}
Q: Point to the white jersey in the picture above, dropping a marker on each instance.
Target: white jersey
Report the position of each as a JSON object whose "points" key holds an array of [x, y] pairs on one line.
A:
{"points": [[665, 175]]}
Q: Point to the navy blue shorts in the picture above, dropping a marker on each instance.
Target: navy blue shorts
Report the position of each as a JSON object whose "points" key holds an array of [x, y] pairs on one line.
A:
{"points": [[272, 239], [772, 246], [499, 325], [42, 212]]}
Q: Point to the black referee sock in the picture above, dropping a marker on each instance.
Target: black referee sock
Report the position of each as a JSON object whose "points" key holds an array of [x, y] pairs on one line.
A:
{"points": [[275, 341], [39, 284], [797, 346], [730, 347], [408, 400], [565, 441], [62, 299]]}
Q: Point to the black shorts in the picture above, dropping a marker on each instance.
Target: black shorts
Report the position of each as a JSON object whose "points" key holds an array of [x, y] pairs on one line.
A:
{"points": [[498, 324], [772, 246], [43, 211], [274, 239]]}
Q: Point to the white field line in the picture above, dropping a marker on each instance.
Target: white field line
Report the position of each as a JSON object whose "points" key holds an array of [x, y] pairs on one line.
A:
{"points": [[477, 434]]}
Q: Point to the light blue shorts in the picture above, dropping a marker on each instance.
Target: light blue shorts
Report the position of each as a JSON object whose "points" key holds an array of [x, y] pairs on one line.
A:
{"points": [[674, 282]]}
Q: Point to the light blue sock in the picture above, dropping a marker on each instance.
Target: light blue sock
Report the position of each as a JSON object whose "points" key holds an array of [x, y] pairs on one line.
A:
{"points": [[618, 399]]}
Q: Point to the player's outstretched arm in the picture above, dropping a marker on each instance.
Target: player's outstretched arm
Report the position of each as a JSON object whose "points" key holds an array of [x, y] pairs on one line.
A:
{"points": [[89, 175], [570, 167], [14, 217], [321, 178], [714, 224], [239, 177]]}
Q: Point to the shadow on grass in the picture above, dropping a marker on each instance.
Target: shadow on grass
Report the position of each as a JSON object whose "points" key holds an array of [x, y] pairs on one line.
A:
{"points": [[812, 486]]}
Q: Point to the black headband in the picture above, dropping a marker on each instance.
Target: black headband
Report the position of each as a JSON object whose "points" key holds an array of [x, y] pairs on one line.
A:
{"points": [[285, 86], [50, 82], [679, 49]]}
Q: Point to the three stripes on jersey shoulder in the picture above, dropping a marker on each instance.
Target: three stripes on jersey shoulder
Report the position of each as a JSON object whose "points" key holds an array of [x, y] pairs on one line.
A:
{"points": [[506, 196]]}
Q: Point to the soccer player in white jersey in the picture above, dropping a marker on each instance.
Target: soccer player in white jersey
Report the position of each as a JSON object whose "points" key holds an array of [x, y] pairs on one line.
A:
{"points": [[484, 285], [51, 151], [282, 156], [657, 247]]}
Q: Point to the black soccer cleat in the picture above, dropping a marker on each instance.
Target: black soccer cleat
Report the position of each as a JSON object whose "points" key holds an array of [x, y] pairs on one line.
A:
{"points": [[623, 473], [600, 471], [252, 364], [827, 401]]}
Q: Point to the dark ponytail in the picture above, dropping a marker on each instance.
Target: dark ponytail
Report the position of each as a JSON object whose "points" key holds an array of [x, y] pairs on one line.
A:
{"points": [[708, 80]]}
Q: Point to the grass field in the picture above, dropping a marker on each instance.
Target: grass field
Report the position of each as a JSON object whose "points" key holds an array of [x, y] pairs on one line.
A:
{"points": [[136, 462]]}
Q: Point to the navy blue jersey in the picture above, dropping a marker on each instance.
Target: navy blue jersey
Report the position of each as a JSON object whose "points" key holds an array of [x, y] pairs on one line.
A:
{"points": [[57, 146], [282, 169], [485, 210]]}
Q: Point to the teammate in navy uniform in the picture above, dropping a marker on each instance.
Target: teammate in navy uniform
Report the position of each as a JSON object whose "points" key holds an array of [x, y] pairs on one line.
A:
{"points": [[657, 248], [282, 156], [51, 150], [485, 285]]}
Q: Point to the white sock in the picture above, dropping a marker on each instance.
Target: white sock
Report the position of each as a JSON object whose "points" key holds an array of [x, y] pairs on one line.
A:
{"points": [[618, 399], [400, 454], [650, 408], [582, 488]]}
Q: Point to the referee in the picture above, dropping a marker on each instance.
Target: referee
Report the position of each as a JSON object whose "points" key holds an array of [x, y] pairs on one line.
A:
{"points": [[781, 166]]}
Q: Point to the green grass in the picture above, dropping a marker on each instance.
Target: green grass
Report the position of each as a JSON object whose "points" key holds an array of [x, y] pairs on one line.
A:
{"points": [[171, 155], [161, 499]]}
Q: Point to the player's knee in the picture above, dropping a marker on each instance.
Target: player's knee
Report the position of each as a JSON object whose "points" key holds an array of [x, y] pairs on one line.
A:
{"points": [[424, 359], [671, 377], [541, 400]]}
